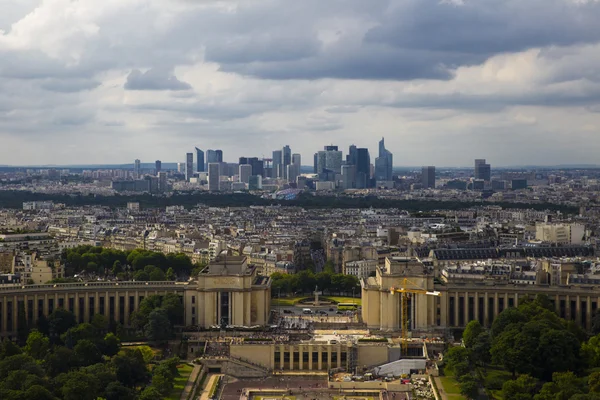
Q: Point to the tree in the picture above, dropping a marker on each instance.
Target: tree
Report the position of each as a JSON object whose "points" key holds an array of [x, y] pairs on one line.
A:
{"points": [[506, 351], [117, 268], [59, 322], [141, 276], [37, 345], [594, 382], [455, 356], [522, 388], [596, 322], [38, 392], [564, 386], [559, 351], [130, 368], [111, 344], [117, 391], [84, 331], [42, 325], [162, 381], [480, 352], [469, 387], [60, 361], [100, 322], [77, 385], [8, 349], [170, 274], [173, 305], [22, 325], [471, 332], [150, 393], [156, 274], [158, 329], [87, 353], [507, 317]]}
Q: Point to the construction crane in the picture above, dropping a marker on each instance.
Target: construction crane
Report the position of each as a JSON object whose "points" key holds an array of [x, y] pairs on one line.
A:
{"points": [[408, 288]]}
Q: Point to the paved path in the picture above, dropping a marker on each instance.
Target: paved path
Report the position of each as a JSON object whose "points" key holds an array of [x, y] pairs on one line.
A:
{"points": [[189, 385], [440, 388], [209, 384]]}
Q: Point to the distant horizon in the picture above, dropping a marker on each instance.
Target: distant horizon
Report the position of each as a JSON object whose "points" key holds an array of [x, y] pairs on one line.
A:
{"points": [[169, 165]]}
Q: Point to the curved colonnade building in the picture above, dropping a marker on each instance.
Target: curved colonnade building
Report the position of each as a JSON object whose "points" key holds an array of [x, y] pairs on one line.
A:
{"points": [[230, 292], [227, 292]]}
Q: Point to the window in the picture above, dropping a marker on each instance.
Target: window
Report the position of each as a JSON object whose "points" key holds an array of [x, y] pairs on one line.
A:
{"points": [[193, 299]]}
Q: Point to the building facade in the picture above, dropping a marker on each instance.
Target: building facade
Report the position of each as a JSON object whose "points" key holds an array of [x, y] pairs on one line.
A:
{"points": [[227, 292]]}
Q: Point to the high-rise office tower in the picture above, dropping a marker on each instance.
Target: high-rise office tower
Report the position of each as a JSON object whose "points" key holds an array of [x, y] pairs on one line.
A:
{"points": [[255, 182], [428, 177], [214, 156], [334, 160], [316, 163], [292, 172], [286, 159], [330, 148], [277, 164], [162, 181], [157, 166], [243, 161], [352, 156], [137, 168], [214, 177], [296, 159], [482, 170], [383, 163], [245, 173], [189, 166], [181, 167], [321, 161], [348, 176], [363, 168], [199, 160]]}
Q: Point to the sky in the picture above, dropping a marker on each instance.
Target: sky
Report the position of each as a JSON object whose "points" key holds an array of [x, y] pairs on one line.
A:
{"points": [[444, 81]]}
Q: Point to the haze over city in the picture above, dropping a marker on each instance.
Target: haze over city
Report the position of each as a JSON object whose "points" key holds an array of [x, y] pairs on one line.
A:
{"points": [[444, 81]]}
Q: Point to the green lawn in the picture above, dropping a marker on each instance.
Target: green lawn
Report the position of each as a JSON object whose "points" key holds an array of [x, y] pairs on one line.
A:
{"points": [[287, 301], [494, 378], [292, 301], [340, 299], [180, 381]]}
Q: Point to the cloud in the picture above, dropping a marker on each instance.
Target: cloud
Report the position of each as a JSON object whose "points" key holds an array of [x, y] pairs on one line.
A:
{"points": [[454, 77], [154, 79]]}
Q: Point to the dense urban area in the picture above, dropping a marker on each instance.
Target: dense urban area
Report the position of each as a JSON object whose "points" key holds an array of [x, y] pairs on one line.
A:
{"points": [[267, 280]]}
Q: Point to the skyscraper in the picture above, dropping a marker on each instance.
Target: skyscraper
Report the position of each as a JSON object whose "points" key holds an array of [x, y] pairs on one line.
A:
{"points": [[334, 160], [316, 163], [162, 181], [351, 158], [363, 168], [199, 160], [214, 177], [286, 159], [277, 164], [428, 177], [137, 168], [292, 172], [483, 170], [383, 163], [348, 176], [245, 173], [189, 166], [157, 166], [219, 154], [297, 159]]}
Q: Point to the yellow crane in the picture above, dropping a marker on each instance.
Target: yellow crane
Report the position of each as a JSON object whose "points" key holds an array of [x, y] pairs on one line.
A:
{"points": [[408, 288]]}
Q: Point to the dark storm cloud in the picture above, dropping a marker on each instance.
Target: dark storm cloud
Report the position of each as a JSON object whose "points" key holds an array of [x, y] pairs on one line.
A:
{"points": [[154, 79], [414, 39], [487, 26]]}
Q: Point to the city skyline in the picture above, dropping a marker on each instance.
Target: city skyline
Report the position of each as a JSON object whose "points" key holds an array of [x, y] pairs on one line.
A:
{"points": [[426, 75]]}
